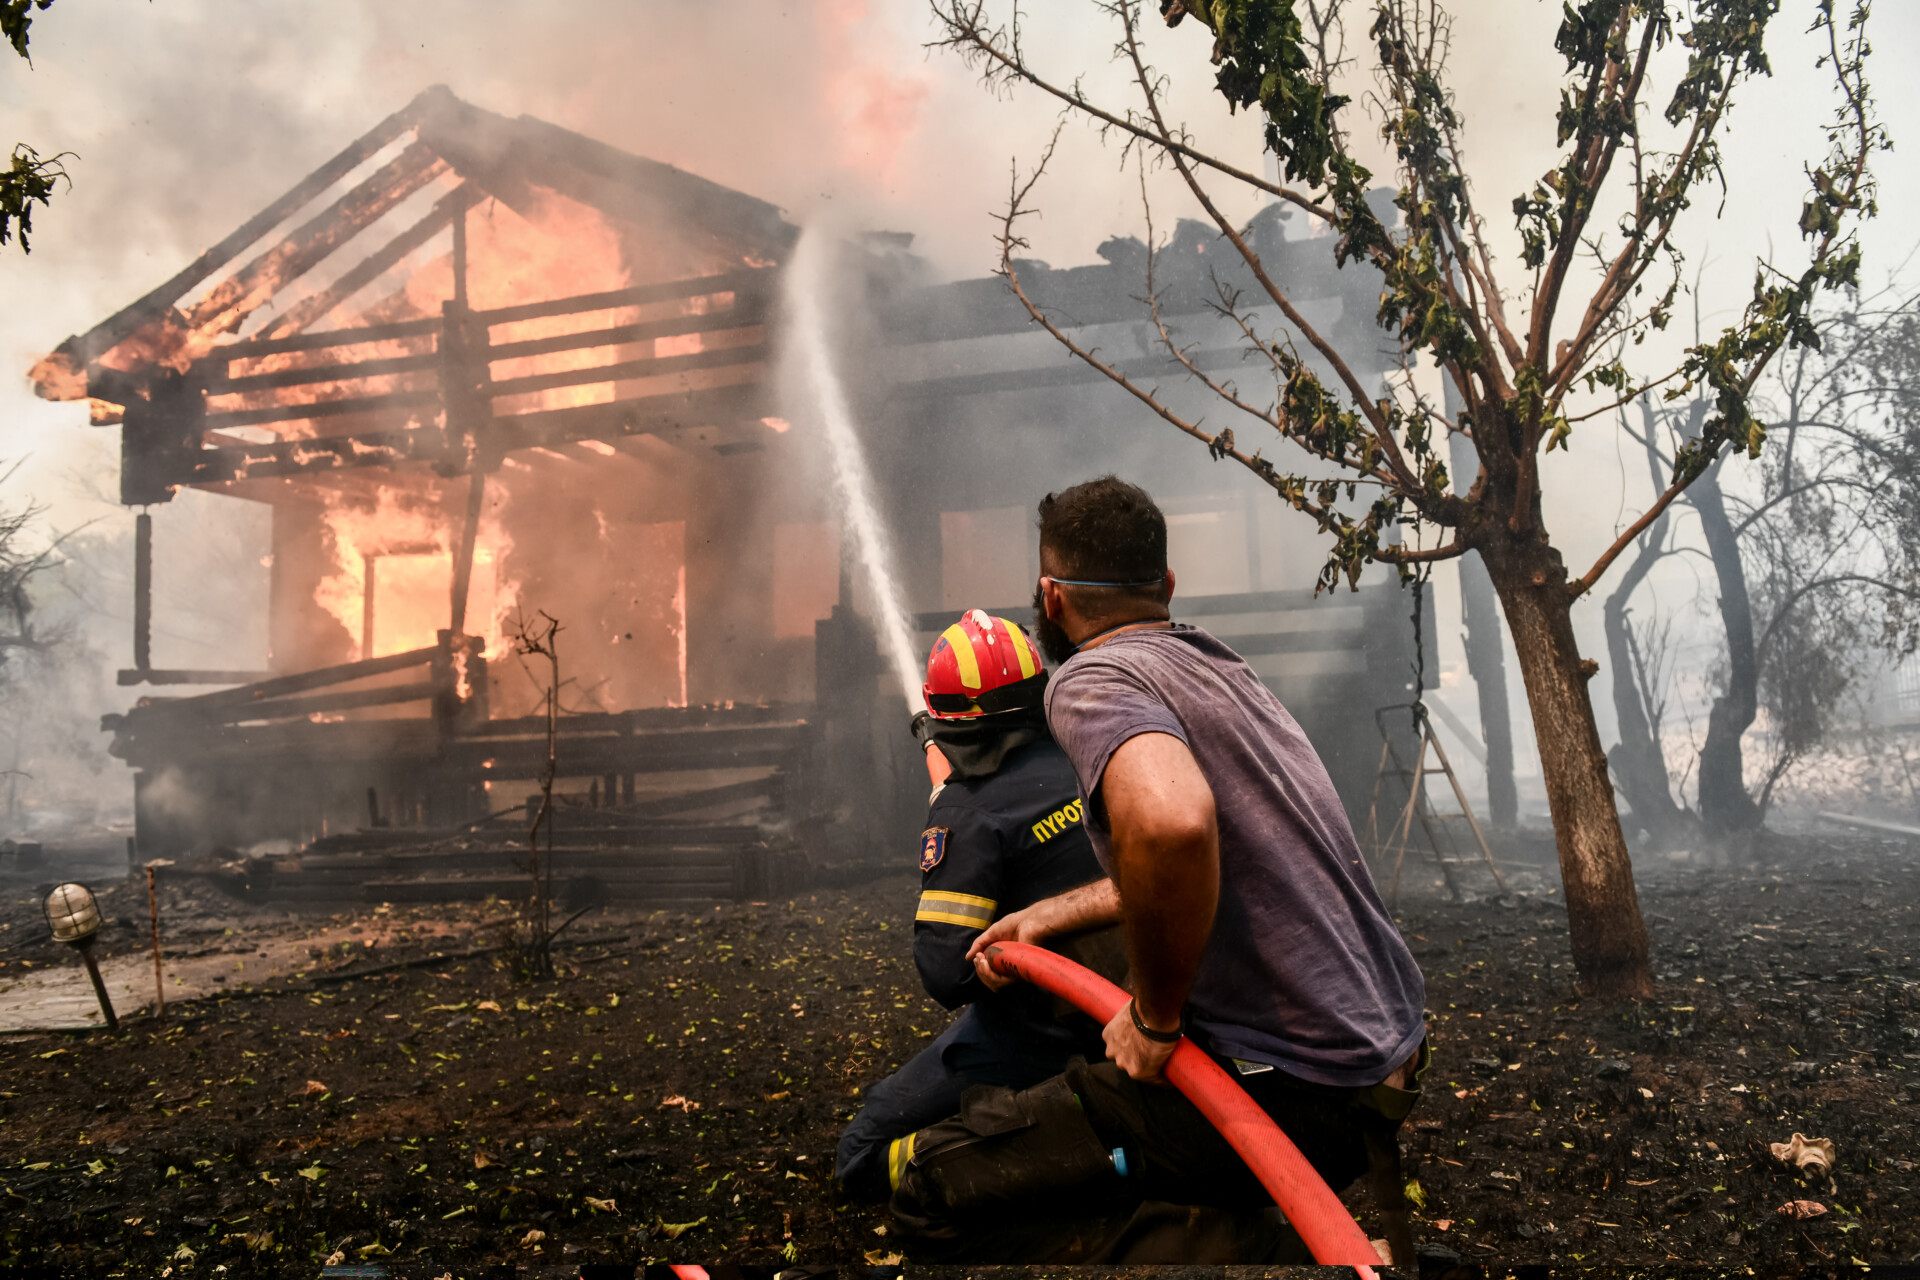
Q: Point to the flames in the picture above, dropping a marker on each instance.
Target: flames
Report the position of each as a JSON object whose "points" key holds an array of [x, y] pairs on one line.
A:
{"points": [[371, 552], [391, 553], [557, 249]]}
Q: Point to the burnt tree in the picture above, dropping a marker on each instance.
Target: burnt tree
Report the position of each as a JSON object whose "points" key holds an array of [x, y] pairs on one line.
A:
{"points": [[1811, 556], [1639, 760]]}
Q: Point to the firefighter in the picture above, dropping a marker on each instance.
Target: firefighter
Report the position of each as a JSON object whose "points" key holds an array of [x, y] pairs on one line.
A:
{"points": [[1004, 831]]}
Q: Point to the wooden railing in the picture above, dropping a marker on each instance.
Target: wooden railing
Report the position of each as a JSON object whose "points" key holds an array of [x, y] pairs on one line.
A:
{"points": [[183, 433]]}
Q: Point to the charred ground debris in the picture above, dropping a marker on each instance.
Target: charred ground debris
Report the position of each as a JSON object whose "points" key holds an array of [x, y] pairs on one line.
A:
{"points": [[694, 1067]]}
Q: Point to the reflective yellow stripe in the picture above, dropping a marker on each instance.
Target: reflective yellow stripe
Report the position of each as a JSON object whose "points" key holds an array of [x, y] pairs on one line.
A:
{"points": [[959, 899], [1020, 648], [962, 645], [944, 917], [898, 1154], [939, 907]]}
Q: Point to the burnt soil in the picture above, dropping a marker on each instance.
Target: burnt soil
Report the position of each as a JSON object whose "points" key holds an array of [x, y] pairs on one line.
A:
{"points": [[676, 1092]]}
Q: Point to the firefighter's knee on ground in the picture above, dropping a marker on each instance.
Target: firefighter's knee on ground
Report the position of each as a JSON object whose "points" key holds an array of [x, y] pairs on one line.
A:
{"points": [[1021, 1150]]}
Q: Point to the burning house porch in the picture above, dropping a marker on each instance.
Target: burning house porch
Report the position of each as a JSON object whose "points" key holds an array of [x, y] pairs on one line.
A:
{"points": [[478, 369]]}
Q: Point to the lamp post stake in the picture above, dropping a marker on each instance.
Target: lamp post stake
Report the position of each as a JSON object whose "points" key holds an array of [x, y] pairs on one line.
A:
{"points": [[99, 986]]}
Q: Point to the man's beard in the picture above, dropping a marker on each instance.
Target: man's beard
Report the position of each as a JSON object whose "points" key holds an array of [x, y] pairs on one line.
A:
{"points": [[1051, 635]]}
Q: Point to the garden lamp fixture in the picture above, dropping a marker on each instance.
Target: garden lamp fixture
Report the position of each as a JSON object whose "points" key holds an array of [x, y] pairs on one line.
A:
{"points": [[74, 916]]}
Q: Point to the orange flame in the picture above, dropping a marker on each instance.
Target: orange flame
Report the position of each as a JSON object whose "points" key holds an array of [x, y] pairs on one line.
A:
{"points": [[405, 539]]}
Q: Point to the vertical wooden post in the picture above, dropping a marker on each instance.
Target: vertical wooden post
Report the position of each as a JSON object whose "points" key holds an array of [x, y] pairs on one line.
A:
{"points": [[463, 554], [463, 372], [460, 256], [153, 912], [367, 563], [143, 592]]}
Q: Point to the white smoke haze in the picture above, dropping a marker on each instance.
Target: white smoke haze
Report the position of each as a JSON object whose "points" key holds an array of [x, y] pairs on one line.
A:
{"points": [[188, 116]]}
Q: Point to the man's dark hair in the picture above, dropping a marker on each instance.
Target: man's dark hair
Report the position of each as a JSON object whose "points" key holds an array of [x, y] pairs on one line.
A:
{"points": [[1105, 530]]}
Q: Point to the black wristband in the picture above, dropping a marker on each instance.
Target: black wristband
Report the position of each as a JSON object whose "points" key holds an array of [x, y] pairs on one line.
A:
{"points": [[1139, 1024]]}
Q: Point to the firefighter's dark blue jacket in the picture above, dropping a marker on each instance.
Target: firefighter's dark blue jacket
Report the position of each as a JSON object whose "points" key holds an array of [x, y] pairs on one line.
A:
{"points": [[994, 845]]}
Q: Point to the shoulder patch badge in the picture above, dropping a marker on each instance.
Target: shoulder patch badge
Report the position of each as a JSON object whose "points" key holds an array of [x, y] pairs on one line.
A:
{"points": [[933, 846]]}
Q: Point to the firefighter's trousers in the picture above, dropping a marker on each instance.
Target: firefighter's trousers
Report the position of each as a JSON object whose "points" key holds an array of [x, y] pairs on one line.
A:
{"points": [[1031, 1176]]}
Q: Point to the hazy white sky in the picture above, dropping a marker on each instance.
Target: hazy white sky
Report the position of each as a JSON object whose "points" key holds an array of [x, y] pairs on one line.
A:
{"points": [[189, 115]]}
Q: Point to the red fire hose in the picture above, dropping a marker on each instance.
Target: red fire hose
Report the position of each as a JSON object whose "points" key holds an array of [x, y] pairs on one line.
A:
{"points": [[1324, 1224]]}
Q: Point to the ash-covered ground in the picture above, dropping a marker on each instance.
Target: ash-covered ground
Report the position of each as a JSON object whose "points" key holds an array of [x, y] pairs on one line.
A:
{"points": [[676, 1093]]}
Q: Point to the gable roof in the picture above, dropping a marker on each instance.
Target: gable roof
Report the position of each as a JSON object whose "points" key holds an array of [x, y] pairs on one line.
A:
{"points": [[492, 156]]}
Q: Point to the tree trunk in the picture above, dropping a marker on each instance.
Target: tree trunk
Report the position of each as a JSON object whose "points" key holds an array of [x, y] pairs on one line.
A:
{"points": [[1638, 762], [1603, 910], [1726, 806], [1486, 659]]}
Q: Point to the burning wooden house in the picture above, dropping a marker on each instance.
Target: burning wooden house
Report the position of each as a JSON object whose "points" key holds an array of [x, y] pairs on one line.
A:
{"points": [[483, 370]]}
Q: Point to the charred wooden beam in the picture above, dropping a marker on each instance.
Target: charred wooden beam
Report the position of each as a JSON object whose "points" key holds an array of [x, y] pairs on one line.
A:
{"points": [[740, 317], [629, 370], [472, 439], [161, 675], [463, 554], [349, 370], [369, 567], [233, 299], [314, 704], [319, 409], [505, 155], [390, 448], [687, 801], [80, 351], [281, 686], [649, 415], [658, 415], [460, 262], [760, 280], [375, 264], [253, 348], [346, 371]]}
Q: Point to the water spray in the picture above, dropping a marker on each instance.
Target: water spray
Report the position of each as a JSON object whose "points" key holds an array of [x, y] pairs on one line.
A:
{"points": [[808, 276]]}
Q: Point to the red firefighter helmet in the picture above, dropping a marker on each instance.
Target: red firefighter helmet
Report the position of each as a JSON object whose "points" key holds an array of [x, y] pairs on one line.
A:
{"points": [[976, 664]]}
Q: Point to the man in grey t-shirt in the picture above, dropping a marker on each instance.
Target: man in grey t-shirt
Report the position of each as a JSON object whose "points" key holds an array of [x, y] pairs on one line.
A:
{"points": [[1252, 925], [1303, 969]]}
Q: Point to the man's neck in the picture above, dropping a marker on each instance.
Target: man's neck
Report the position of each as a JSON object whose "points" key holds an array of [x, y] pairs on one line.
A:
{"points": [[1106, 630]]}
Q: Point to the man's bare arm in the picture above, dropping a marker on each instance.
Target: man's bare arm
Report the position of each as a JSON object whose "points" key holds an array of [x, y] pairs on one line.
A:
{"points": [[1094, 905], [1166, 850]]}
